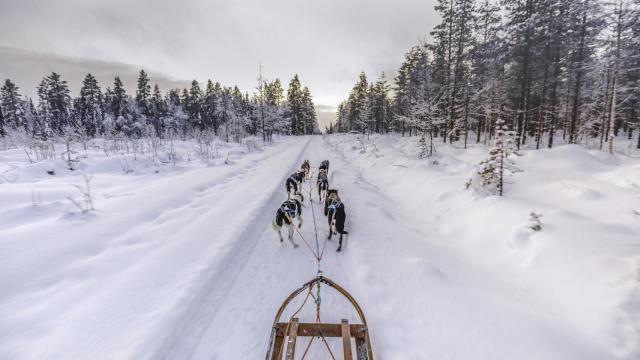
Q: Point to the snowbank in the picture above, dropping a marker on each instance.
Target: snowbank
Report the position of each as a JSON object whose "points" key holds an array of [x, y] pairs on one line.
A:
{"points": [[580, 273]]}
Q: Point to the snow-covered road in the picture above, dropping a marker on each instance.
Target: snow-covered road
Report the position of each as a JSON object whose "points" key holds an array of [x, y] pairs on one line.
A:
{"points": [[187, 266], [422, 299]]}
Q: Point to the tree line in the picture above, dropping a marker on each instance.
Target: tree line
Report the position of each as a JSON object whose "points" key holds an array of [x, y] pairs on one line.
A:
{"points": [[223, 110], [550, 69]]}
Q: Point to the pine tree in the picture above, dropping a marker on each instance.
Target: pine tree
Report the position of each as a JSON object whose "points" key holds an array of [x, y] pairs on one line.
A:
{"points": [[143, 94], [176, 114], [209, 104], [158, 111], [309, 112], [34, 125], [12, 106], [119, 106], [2, 130], [358, 103], [193, 105], [274, 108], [498, 164], [55, 104], [90, 106], [295, 111]]}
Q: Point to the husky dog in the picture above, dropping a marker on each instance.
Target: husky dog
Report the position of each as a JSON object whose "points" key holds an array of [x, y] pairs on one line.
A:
{"points": [[306, 168], [294, 182], [323, 184], [324, 165], [336, 215], [289, 210]]}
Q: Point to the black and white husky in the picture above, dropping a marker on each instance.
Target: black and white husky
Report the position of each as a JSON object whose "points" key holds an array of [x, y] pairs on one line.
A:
{"points": [[324, 165], [336, 214], [294, 182], [323, 184], [290, 210]]}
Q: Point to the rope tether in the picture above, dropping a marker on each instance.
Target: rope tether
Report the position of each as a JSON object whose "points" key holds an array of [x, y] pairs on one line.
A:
{"points": [[317, 254]]}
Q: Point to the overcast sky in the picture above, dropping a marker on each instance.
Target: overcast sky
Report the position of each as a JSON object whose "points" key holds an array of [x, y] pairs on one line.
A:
{"points": [[327, 42]]}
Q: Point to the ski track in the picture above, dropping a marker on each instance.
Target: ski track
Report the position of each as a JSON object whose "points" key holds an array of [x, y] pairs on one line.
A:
{"points": [[221, 280]]}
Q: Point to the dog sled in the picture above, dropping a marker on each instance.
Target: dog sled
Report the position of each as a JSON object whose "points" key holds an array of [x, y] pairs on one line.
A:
{"points": [[292, 330]]}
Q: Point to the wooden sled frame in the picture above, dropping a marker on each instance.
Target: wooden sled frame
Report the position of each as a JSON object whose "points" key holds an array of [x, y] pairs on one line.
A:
{"points": [[296, 329]]}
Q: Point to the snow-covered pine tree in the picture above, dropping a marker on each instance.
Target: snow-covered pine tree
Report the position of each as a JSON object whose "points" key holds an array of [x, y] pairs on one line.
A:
{"points": [[2, 130], [176, 114], [309, 112], [294, 102], [31, 118], [55, 104], [90, 106], [194, 106], [498, 164], [274, 101], [380, 106], [358, 104], [119, 106], [12, 106], [158, 111], [209, 103], [143, 94]]}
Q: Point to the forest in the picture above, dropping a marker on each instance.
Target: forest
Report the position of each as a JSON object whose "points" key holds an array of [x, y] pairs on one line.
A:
{"points": [[544, 71], [223, 111]]}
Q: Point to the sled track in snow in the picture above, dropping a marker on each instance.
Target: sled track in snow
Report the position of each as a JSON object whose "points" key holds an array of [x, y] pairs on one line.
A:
{"points": [[183, 340]]}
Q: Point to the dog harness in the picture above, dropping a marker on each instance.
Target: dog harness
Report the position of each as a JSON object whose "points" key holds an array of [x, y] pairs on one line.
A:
{"points": [[335, 206]]}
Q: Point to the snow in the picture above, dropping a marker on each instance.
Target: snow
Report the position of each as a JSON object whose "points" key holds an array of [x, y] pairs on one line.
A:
{"points": [[180, 260]]}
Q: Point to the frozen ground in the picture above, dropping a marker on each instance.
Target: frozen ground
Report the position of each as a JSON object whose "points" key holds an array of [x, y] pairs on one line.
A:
{"points": [[180, 261]]}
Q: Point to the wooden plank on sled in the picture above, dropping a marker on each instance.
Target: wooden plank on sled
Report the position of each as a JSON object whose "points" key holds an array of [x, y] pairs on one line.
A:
{"points": [[295, 329], [293, 335], [327, 330], [346, 339]]}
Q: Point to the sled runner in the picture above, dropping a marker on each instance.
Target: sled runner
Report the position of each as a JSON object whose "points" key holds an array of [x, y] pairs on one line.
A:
{"points": [[293, 329]]}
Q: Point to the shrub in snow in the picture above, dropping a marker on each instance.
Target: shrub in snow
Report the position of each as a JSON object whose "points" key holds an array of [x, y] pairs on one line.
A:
{"points": [[85, 204], [490, 177]]}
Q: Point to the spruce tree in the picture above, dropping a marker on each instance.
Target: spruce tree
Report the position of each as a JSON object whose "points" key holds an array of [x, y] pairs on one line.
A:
{"points": [[2, 130], [158, 109], [90, 106], [209, 104], [55, 104], [119, 106], [194, 106], [358, 103], [498, 164], [12, 106], [143, 94], [294, 102]]}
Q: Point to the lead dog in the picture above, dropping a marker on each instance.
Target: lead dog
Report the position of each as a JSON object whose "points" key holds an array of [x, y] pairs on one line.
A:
{"points": [[306, 168], [336, 214], [286, 213]]}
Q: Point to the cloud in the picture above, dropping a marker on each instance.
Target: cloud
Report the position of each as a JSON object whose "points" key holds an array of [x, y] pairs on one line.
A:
{"points": [[326, 42], [27, 68]]}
